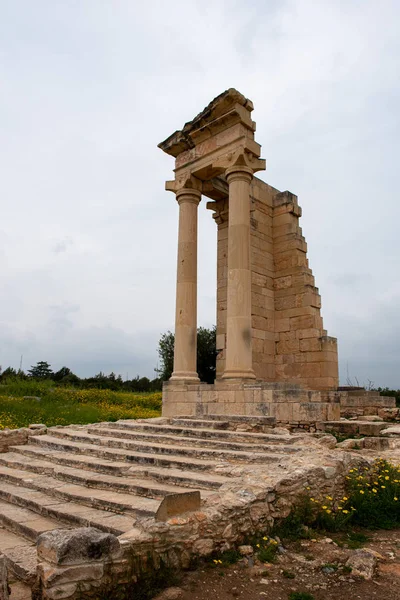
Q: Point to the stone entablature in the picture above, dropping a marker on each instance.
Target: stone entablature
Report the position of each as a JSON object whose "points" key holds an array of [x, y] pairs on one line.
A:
{"points": [[269, 326]]}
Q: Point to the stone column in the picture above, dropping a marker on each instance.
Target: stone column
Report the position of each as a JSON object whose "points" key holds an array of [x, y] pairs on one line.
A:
{"points": [[238, 346], [185, 355]]}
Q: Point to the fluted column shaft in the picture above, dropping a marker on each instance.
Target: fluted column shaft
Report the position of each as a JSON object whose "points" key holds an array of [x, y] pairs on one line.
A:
{"points": [[185, 354], [238, 345]]}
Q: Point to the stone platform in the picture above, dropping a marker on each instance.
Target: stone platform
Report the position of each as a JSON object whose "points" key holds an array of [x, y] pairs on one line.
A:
{"points": [[287, 403]]}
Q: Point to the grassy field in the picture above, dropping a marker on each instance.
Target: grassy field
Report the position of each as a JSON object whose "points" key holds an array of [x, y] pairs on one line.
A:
{"points": [[63, 406]]}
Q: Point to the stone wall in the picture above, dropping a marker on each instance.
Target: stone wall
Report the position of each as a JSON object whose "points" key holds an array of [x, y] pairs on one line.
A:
{"points": [[287, 403], [289, 342], [360, 402], [17, 437]]}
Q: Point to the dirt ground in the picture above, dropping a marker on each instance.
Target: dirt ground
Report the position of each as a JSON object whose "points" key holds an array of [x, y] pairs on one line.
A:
{"points": [[316, 567]]}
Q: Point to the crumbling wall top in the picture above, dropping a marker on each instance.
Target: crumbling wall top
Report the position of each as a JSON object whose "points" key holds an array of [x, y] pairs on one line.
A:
{"points": [[225, 110]]}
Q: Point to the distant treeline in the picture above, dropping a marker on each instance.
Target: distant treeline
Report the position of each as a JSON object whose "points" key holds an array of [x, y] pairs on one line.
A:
{"points": [[386, 392], [65, 377]]}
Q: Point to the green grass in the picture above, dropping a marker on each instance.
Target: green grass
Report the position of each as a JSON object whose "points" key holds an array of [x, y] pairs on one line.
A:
{"points": [[65, 406]]}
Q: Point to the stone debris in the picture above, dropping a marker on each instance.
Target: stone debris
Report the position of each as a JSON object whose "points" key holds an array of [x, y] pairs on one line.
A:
{"points": [[76, 546], [173, 593], [246, 550], [362, 563]]}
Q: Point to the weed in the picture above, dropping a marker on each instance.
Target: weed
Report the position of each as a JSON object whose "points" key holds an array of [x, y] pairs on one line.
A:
{"points": [[288, 574], [347, 569], [301, 596], [356, 540]]}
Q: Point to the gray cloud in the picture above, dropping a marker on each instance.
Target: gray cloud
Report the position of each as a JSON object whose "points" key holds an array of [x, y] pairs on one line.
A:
{"points": [[89, 89]]}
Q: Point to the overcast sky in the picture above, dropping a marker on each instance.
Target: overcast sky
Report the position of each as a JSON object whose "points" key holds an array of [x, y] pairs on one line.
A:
{"points": [[87, 233]]}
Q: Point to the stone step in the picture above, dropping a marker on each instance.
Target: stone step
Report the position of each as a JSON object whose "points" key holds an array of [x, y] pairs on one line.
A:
{"points": [[119, 502], [156, 448], [53, 443], [181, 439], [69, 512], [199, 422], [235, 436], [248, 419], [191, 479], [131, 484], [359, 427], [21, 556], [25, 522]]}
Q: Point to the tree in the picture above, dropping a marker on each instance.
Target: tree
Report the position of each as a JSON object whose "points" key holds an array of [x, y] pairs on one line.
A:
{"points": [[41, 370], [66, 377], [166, 354], [206, 354]]}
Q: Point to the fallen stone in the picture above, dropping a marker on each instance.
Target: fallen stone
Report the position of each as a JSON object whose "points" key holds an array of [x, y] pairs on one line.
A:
{"points": [[173, 593], [362, 563], [76, 546], [371, 418], [351, 443], [393, 430], [328, 440], [246, 550]]}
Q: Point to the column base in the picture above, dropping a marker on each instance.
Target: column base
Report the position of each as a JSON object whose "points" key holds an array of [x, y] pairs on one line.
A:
{"points": [[238, 374], [185, 376]]}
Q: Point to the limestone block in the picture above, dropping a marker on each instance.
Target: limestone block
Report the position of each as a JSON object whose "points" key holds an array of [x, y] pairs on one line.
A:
{"points": [[55, 576], [287, 228], [283, 282], [330, 369], [282, 412], [282, 324], [302, 322], [178, 504], [312, 344], [76, 546], [287, 346], [288, 335]]}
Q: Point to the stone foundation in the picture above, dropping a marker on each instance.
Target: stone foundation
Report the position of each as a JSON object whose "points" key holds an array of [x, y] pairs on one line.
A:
{"points": [[360, 402], [287, 404]]}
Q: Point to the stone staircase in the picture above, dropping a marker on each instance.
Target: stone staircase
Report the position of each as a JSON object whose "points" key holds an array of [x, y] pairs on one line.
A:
{"points": [[110, 475]]}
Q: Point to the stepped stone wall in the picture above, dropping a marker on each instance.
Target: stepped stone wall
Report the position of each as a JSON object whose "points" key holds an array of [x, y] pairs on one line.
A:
{"points": [[289, 342]]}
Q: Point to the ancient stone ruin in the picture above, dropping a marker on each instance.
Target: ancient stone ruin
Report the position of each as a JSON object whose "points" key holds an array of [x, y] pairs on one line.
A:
{"points": [[87, 511]]}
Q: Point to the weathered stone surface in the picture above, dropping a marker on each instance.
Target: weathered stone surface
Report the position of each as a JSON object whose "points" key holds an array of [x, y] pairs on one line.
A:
{"points": [[362, 563], [246, 550], [392, 430], [4, 595], [203, 547], [178, 504], [76, 546], [173, 593]]}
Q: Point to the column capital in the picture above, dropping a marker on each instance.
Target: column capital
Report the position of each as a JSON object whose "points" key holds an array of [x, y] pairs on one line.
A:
{"points": [[184, 182], [240, 161]]}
